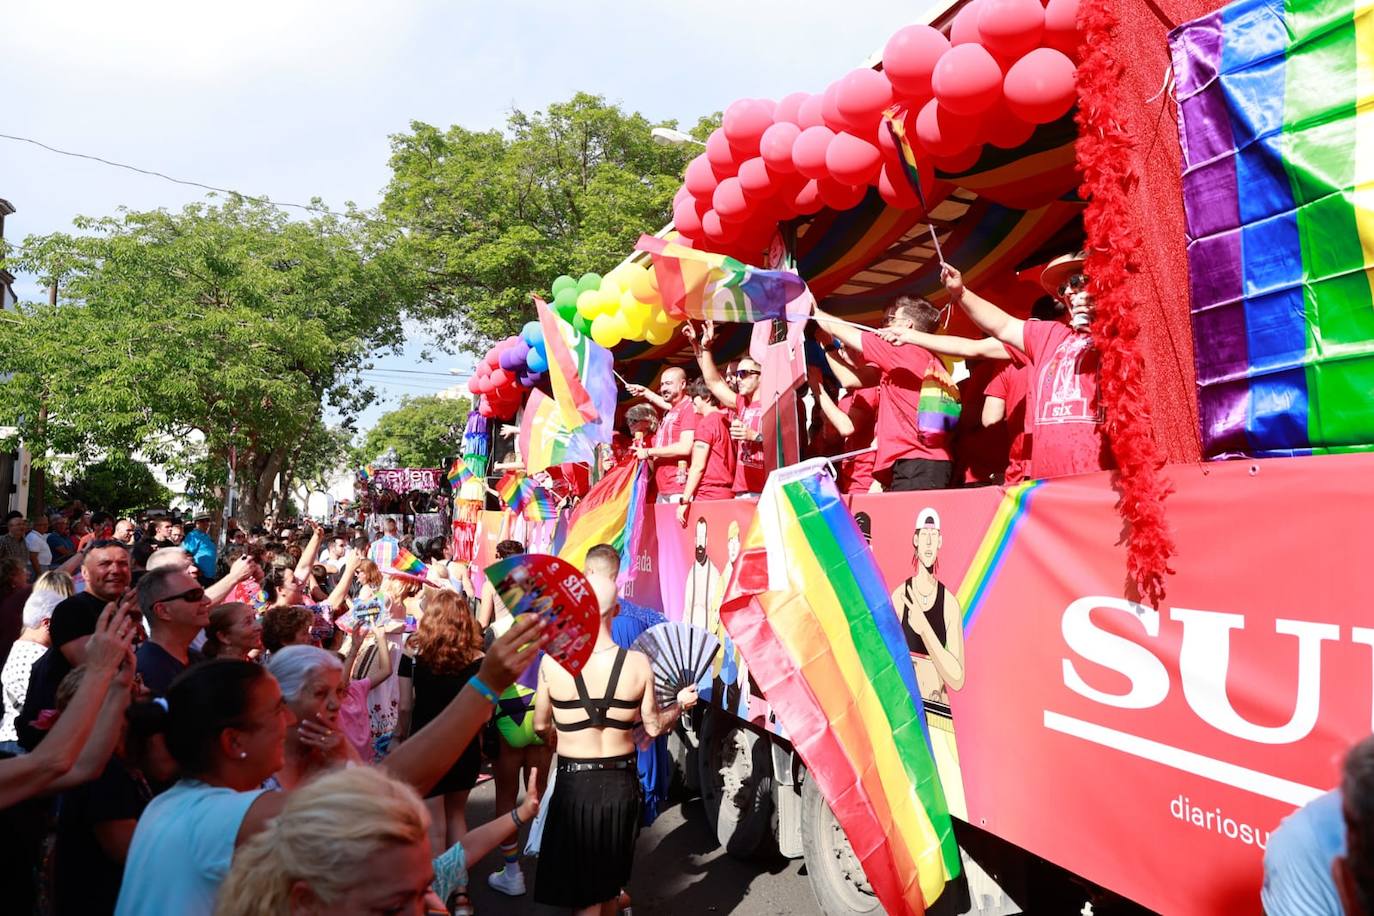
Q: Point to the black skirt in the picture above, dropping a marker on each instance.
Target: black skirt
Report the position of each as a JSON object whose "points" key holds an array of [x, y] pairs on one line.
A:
{"points": [[589, 837]]}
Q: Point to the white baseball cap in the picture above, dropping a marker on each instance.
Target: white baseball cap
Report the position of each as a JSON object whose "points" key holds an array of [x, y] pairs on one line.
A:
{"points": [[928, 518]]}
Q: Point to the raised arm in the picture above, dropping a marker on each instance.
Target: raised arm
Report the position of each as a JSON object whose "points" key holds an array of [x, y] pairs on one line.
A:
{"points": [[656, 721], [648, 394], [220, 589], [958, 347], [382, 669], [710, 373], [991, 319], [312, 550], [339, 596], [833, 415], [842, 331]]}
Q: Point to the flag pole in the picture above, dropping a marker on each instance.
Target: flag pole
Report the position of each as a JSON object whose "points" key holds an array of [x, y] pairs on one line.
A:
{"points": [[833, 320]]}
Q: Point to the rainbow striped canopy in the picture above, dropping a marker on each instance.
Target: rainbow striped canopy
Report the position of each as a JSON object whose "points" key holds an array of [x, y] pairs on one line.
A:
{"points": [[1276, 123]]}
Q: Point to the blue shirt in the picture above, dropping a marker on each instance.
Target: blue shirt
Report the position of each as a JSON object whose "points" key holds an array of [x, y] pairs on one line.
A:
{"points": [[202, 550], [1297, 860], [181, 851], [60, 544]]}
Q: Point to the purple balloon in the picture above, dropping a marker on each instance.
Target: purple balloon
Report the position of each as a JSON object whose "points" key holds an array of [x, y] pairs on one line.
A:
{"points": [[527, 379], [508, 361]]}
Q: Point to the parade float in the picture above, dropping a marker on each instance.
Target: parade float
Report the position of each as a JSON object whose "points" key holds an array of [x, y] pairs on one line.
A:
{"points": [[1154, 665]]}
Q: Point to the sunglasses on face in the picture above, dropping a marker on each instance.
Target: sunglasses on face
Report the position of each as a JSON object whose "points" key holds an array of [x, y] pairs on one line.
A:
{"points": [[1073, 284], [192, 595], [745, 373]]}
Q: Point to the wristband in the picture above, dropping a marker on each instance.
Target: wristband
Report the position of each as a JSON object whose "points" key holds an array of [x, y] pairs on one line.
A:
{"points": [[515, 817], [482, 689]]}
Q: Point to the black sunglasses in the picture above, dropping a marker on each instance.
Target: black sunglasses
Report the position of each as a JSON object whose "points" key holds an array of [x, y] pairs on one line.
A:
{"points": [[745, 373], [1073, 284], [193, 595]]}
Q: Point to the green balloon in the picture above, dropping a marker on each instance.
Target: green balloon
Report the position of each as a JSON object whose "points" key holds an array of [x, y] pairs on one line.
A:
{"points": [[583, 325], [562, 283], [565, 297], [566, 311], [589, 281]]}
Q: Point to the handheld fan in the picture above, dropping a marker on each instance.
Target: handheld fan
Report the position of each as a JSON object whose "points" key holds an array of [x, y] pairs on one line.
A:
{"points": [[679, 655]]}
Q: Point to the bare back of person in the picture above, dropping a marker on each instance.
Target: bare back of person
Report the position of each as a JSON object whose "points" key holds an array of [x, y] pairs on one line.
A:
{"points": [[588, 726]]}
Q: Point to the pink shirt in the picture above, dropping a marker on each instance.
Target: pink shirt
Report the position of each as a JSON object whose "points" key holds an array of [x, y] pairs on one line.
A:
{"points": [[750, 474], [353, 718]]}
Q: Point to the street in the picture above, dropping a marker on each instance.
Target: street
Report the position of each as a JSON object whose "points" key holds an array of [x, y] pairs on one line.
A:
{"points": [[678, 869]]}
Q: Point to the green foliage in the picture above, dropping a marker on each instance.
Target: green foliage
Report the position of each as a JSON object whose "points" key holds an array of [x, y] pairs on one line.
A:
{"points": [[116, 484], [183, 334], [423, 431], [499, 215]]}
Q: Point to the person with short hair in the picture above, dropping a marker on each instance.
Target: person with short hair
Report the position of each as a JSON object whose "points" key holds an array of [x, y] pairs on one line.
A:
{"points": [[286, 626], [60, 541], [602, 560], [124, 531], [737, 393], [40, 553], [33, 642], [672, 446], [233, 631], [14, 544], [711, 474], [386, 548], [175, 606]]}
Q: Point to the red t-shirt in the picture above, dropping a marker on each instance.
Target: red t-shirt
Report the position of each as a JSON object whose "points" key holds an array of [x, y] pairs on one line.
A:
{"points": [[899, 398], [1010, 386], [750, 474], [680, 418], [1066, 416], [861, 406], [719, 475], [980, 452]]}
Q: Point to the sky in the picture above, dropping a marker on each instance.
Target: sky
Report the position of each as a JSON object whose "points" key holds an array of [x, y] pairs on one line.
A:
{"points": [[294, 99]]}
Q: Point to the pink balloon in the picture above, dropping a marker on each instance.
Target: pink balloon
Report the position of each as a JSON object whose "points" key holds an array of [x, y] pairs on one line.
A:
{"points": [[1061, 26], [756, 180], [895, 189], [838, 195], [716, 230], [909, 57], [1010, 28], [685, 218], [1040, 86], [863, 93], [500, 378], [484, 408], [808, 199], [852, 161], [808, 153], [745, 121], [943, 133], [720, 155], [967, 79], [960, 162], [776, 145], [789, 107], [729, 201], [810, 113], [681, 195], [699, 179], [964, 29], [1003, 129]]}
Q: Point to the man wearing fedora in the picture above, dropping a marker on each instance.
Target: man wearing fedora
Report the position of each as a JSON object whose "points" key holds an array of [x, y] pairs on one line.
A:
{"points": [[201, 547]]}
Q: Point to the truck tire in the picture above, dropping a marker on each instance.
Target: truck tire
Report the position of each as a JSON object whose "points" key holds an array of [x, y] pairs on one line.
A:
{"points": [[837, 879], [736, 783]]}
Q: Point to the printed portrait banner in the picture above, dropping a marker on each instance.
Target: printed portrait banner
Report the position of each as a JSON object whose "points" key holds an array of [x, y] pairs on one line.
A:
{"points": [[403, 480]]}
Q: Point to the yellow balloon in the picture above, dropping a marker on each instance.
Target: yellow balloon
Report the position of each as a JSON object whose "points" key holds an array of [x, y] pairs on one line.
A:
{"points": [[658, 335], [607, 304], [604, 331], [588, 304], [642, 285], [611, 288]]}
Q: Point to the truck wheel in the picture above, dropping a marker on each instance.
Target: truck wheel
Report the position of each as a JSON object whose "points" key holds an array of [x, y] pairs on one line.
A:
{"points": [[736, 779], [837, 879]]}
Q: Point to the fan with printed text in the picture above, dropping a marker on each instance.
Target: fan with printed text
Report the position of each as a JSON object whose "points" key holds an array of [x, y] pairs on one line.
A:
{"points": [[679, 654]]}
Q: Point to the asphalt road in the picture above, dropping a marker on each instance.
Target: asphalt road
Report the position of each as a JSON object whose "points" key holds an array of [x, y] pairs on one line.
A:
{"points": [[679, 869]]}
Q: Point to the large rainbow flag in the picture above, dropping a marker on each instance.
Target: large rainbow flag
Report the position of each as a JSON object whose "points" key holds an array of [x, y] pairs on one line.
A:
{"points": [[580, 376], [809, 610], [1276, 123], [544, 441], [612, 513], [703, 285]]}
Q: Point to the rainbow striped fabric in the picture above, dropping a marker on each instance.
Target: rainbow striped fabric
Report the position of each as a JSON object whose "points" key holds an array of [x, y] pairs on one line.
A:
{"points": [[544, 441], [612, 513], [894, 119], [580, 376], [1276, 123], [540, 507], [809, 610], [938, 406], [702, 285], [458, 474], [515, 490], [996, 541], [407, 562]]}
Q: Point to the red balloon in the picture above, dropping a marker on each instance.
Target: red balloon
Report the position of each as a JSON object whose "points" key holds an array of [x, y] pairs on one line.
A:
{"points": [[967, 80], [681, 195], [808, 153], [1010, 28], [484, 408], [685, 218], [810, 113], [756, 180], [863, 93], [964, 29], [776, 145], [500, 378], [960, 162], [1040, 86], [720, 155], [840, 196], [808, 199], [789, 107], [895, 188], [472, 386], [830, 108], [717, 230], [852, 161], [729, 202], [699, 178], [943, 133], [909, 57], [1061, 26], [1003, 129], [745, 121]]}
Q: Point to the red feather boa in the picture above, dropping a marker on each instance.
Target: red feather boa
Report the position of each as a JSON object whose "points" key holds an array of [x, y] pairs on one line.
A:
{"points": [[1103, 157]]}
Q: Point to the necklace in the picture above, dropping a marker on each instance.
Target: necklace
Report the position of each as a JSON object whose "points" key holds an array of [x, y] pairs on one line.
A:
{"points": [[605, 649]]}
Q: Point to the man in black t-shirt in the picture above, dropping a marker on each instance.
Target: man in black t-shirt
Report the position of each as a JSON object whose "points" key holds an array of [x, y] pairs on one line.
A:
{"points": [[175, 606]]}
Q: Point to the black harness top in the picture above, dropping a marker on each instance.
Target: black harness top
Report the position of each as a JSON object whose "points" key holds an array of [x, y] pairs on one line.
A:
{"points": [[598, 711]]}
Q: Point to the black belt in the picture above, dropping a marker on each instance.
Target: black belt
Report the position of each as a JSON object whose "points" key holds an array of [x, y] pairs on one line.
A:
{"points": [[582, 766]]}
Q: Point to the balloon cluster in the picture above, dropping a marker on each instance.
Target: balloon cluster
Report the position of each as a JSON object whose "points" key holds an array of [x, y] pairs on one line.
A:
{"points": [[623, 305], [510, 367], [1006, 67]]}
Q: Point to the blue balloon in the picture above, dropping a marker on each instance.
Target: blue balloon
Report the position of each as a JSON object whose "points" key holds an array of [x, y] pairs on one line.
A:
{"points": [[535, 361], [532, 333]]}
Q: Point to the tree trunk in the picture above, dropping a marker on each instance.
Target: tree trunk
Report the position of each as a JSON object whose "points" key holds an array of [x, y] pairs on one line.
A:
{"points": [[257, 483]]}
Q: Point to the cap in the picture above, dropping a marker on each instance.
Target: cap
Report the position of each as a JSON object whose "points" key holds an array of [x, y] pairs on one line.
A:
{"points": [[928, 518], [1059, 270], [201, 515]]}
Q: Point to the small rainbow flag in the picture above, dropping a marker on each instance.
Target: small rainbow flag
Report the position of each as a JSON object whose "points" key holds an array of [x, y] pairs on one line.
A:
{"points": [[996, 541], [407, 562], [458, 474], [612, 513], [703, 285], [808, 609], [544, 441], [516, 490], [365, 473], [541, 505]]}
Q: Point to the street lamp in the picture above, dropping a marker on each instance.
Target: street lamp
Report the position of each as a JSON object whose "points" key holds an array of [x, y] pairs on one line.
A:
{"points": [[667, 136]]}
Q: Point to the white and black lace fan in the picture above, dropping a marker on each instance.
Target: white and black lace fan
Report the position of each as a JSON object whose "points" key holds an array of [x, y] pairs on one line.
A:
{"points": [[679, 654]]}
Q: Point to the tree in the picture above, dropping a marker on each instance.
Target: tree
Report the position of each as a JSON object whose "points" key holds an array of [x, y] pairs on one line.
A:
{"points": [[221, 329], [423, 431], [495, 216], [115, 484]]}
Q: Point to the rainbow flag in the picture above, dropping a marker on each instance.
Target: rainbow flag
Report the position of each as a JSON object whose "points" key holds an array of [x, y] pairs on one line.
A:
{"points": [[894, 119], [937, 406], [407, 562], [612, 513], [458, 474], [580, 376], [365, 474], [515, 490], [544, 441], [1276, 125], [702, 285], [808, 609], [541, 506]]}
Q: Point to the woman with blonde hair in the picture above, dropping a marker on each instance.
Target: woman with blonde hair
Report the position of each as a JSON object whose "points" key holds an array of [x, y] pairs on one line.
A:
{"points": [[57, 582], [234, 631], [369, 579]]}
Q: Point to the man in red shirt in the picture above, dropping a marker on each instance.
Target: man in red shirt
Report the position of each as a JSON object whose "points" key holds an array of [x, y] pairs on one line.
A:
{"points": [[1005, 397], [905, 460], [673, 440], [737, 394], [711, 475], [1064, 414], [855, 418]]}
